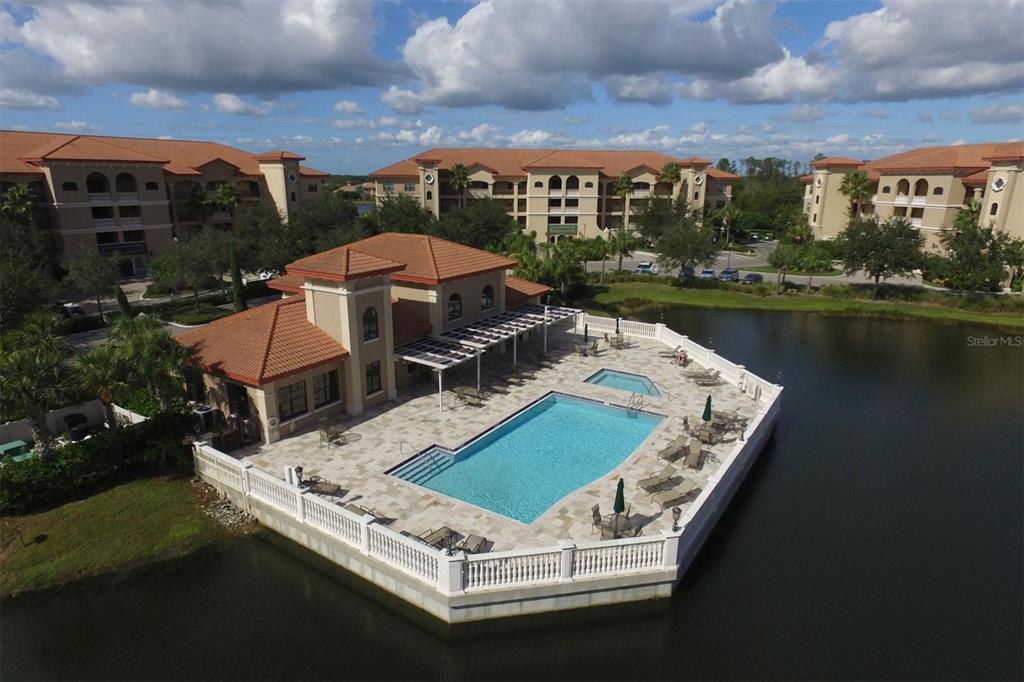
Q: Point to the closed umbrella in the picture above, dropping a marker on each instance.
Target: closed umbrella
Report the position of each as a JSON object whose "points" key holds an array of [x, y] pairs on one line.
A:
{"points": [[620, 504], [586, 332], [707, 410], [616, 326]]}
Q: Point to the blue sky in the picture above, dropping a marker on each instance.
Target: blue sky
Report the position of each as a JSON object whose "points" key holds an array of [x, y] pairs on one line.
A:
{"points": [[355, 85]]}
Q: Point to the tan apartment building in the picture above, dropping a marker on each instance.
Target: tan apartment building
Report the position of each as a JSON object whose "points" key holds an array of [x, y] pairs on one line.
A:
{"points": [[557, 193], [928, 186], [130, 196], [358, 323]]}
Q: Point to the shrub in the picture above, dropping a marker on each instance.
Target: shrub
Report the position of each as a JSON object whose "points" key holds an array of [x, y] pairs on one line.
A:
{"points": [[142, 401], [76, 325], [191, 316], [81, 468]]}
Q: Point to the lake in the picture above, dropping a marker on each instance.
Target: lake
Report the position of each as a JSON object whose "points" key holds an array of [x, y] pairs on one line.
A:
{"points": [[879, 537]]}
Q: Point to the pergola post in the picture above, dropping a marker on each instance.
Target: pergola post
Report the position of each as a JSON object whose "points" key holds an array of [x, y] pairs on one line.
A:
{"points": [[515, 338], [545, 329], [440, 391], [478, 354]]}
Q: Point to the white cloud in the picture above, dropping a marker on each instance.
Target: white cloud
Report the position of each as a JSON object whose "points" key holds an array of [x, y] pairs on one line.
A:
{"points": [[805, 113], [259, 48], [165, 137], [924, 117], [402, 101], [382, 122], [838, 139], [227, 103], [998, 113], [876, 113], [782, 81], [77, 126], [157, 99], [347, 106], [25, 99], [575, 120], [639, 89]]}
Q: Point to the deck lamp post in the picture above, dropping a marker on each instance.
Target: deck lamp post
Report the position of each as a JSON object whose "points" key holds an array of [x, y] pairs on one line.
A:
{"points": [[676, 513]]}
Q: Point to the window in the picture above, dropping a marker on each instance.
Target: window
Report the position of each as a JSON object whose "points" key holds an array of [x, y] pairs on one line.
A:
{"points": [[125, 182], [312, 188], [70, 186], [816, 199], [106, 237], [291, 401], [430, 195], [917, 213], [538, 184], [886, 189], [102, 212], [133, 236], [572, 220], [293, 196], [572, 203], [325, 388], [588, 184], [389, 187], [373, 377], [554, 203], [487, 298], [696, 195], [900, 211], [370, 329], [410, 187], [815, 218], [133, 211], [903, 188], [97, 183], [238, 400], [994, 209], [454, 307], [152, 185], [921, 188]]}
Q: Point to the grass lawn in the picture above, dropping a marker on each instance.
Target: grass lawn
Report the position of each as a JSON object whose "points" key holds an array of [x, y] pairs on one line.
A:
{"points": [[133, 523], [817, 273], [614, 294]]}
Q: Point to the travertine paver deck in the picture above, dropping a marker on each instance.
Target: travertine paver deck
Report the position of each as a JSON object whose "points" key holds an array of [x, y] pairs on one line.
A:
{"points": [[387, 435]]}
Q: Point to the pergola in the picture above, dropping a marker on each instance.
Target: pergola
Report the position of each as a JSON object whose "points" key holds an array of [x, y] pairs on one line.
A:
{"points": [[456, 346]]}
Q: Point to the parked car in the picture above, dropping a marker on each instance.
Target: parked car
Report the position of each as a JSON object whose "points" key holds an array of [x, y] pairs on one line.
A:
{"points": [[729, 275], [752, 278], [706, 273], [646, 268], [686, 271], [76, 425], [72, 310]]}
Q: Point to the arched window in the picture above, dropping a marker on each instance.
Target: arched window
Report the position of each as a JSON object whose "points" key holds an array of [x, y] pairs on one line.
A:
{"points": [[994, 209], [125, 182], [454, 307], [937, 191], [538, 184], [921, 188], [886, 189], [903, 188], [97, 183], [572, 183], [70, 186], [430, 195], [555, 183], [370, 328], [522, 187], [588, 184], [152, 186], [487, 298]]}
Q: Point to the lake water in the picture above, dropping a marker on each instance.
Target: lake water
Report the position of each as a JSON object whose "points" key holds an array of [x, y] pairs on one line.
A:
{"points": [[879, 537]]}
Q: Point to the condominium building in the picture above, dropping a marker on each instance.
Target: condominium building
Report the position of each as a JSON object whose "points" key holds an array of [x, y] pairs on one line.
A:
{"points": [[557, 193], [928, 186], [129, 196]]}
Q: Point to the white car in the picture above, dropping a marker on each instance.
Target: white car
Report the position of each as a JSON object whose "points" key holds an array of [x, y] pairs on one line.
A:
{"points": [[646, 268]]}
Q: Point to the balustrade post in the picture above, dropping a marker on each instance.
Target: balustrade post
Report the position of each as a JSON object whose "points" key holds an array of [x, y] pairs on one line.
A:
{"points": [[244, 474], [707, 358], [741, 380], [659, 331], [670, 548], [565, 565], [300, 505], [450, 572], [364, 533]]}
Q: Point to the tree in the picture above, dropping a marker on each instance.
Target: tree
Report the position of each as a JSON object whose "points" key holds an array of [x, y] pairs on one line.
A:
{"points": [[482, 224], [593, 250], [226, 197], [882, 250], [152, 358], [1013, 254], [857, 187], [767, 197], [25, 279], [19, 204], [670, 173], [687, 240], [237, 287], [976, 254], [726, 165], [399, 213], [201, 204], [122, 301], [458, 179], [623, 188], [92, 273], [264, 242], [728, 215], [785, 257], [191, 263], [33, 375], [330, 221], [621, 243], [799, 232], [656, 215], [100, 372], [815, 257]]}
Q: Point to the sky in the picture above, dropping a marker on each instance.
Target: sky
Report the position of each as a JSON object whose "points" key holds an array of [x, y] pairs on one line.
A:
{"points": [[355, 85]]}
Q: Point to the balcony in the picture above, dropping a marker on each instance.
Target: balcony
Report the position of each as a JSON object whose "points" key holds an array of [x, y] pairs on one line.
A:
{"points": [[99, 198], [901, 200], [130, 249], [571, 210], [641, 193], [874, 199], [916, 222], [572, 193], [104, 223], [919, 201], [557, 229], [479, 192], [127, 197], [135, 221]]}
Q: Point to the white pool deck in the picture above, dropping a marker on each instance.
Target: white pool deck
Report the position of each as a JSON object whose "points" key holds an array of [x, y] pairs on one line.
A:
{"points": [[387, 435]]}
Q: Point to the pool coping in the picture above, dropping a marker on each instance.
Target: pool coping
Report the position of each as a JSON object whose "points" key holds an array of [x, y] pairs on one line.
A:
{"points": [[658, 394]]}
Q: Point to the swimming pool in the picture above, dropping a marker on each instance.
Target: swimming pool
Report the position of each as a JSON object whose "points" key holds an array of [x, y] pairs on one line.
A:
{"points": [[535, 458], [624, 381]]}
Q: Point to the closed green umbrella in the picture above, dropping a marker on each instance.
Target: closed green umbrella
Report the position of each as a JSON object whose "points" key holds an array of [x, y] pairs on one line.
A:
{"points": [[620, 497], [707, 410], [616, 326], [586, 332]]}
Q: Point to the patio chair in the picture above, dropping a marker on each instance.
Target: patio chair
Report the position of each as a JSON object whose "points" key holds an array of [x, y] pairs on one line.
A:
{"points": [[436, 538], [472, 544], [676, 495], [710, 381], [694, 455], [319, 486], [670, 452], [657, 480], [595, 513], [593, 348], [468, 396]]}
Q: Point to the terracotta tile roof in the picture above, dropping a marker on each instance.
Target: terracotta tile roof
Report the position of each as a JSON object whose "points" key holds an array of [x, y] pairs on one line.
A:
{"points": [[179, 157], [515, 162], [806, 178], [279, 155], [979, 178], [837, 162], [429, 260], [263, 344], [288, 283], [343, 264], [717, 174], [518, 290], [962, 157], [407, 324]]}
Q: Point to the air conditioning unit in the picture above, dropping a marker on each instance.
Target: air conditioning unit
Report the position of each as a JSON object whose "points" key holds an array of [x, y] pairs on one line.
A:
{"points": [[204, 419]]}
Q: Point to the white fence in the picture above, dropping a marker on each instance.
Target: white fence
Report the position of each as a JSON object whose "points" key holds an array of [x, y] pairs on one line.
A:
{"points": [[20, 429], [126, 416]]}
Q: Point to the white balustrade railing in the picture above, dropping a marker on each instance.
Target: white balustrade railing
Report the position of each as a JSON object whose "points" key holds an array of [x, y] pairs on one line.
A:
{"points": [[514, 567], [409, 555], [618, 556], [333, 519], [218, 466], [265, 487]]}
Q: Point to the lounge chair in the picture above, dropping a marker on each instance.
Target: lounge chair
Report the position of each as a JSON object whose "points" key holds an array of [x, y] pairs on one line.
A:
{"points": [[593, 348], [670, 452], [657, 480], [315, 484], [471, 544], [469, 396], [436, 538], [694, 455], [676, 495]]}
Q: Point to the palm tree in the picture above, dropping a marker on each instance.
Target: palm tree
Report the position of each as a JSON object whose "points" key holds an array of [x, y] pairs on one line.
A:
{"points": [[226, 197], [458, 179], [33, 375], [156, 360], [670, 173], [623, 188], [19, 204], [857, 187], [621, 243], [728, 215], [100, 372], [201, 204]]}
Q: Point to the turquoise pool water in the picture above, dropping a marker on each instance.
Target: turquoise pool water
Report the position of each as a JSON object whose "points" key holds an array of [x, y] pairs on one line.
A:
{"points": [[624, 381], [535, 458]]}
